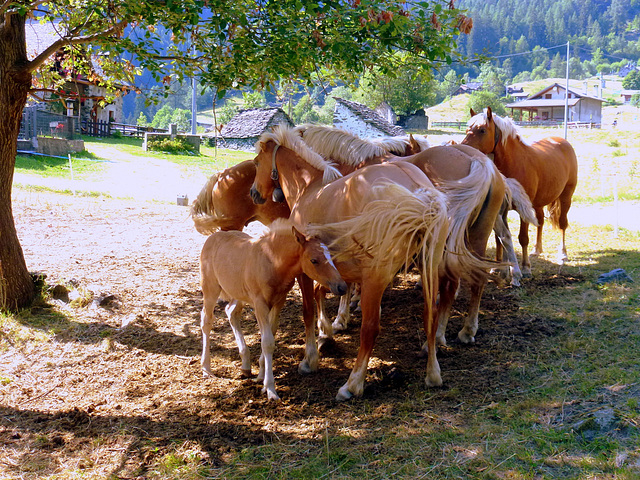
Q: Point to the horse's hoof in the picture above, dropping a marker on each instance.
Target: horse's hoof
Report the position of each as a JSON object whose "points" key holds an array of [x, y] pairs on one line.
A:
{"points": [[466, 338], [338, 326], [526, 273], [343, 394], [434, 380], [245, 373], [325, 344], [206, 373], [271, 394], [515, 283], [305, 368]]}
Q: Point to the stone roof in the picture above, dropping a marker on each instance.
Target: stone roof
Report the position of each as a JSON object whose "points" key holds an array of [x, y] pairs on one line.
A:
{"points": [[254, 121], [372, 118]]}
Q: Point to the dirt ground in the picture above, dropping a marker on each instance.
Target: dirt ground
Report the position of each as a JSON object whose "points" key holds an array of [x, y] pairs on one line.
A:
{"points": [[121, 380]]}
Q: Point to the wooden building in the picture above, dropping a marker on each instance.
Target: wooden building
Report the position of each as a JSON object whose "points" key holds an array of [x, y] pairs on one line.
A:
{"points": [[548, 105]]}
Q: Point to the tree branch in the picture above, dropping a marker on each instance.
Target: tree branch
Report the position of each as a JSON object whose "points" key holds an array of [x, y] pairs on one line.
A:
{"points": [[67, 40]]}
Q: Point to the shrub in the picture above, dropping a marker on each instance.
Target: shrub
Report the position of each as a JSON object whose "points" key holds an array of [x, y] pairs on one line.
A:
{"points": [[177, 145]]}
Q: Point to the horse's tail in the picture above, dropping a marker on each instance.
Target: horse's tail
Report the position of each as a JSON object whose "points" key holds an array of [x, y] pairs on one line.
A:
{"points": [[554, 213], [467, 198], [395, 226], [518, 200], [202, 209]]}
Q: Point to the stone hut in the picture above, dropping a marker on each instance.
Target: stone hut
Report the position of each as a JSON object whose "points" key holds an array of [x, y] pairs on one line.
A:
{"points": [[243, 131], [360, 120]]}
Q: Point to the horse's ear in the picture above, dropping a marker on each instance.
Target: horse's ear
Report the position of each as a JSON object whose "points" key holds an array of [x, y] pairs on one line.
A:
{"points": [[488, 113], [473, 114], [415, 146], [300, 238]]}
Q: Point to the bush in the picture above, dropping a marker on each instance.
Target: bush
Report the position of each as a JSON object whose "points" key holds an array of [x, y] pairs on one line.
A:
{"points": [[177, 145]]}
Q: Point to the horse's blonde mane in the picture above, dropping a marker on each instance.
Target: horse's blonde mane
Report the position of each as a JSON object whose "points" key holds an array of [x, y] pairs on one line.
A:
{"points": [[508, 129], [339, 145], [396, 145], [290, 138]]}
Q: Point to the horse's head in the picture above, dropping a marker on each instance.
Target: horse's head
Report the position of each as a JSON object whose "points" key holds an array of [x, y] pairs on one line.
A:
{"points": [[265, 184], [482, 132], [317, 264]]}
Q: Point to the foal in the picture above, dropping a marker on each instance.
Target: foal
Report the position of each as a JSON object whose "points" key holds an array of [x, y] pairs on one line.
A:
{"points": [[259, 272]]}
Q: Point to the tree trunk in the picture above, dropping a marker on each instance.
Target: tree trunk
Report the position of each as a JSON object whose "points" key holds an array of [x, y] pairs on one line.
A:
{"points": [[16, 286]]}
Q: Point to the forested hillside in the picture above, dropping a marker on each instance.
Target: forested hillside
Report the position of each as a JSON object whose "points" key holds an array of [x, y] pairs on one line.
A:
{"points": [[603, 32]]}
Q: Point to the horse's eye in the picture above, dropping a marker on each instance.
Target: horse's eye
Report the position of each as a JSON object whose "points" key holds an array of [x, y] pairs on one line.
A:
{"points": [[314, 261], [482, 131]]}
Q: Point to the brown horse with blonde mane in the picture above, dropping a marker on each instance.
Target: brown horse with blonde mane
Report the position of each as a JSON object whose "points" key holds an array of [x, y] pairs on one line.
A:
{"points": [[547, 170], [224, 202], [375, 220], [475, 193], [259, 272]]}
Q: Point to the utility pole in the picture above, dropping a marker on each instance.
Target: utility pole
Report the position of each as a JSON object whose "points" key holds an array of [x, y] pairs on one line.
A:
{"points": [[566, 97], [194, 113]]}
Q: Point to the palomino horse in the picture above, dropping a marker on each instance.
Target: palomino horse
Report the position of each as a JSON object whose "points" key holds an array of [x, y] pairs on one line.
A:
{"points": [[547, 170], [475, 193], [224, 202], [259, 272], [375, 219]]}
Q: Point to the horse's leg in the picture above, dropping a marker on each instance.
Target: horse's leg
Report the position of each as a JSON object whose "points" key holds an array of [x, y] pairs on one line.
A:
{"points": [[324, 325], [268, 323], [523, 238], [342, 318], [540, 218], [470, 328], [430, 320], [504, 239], [447, 289], [563, 222], [355, 298], [371, 292], [234, 313], [310, 361], [210, 293]]}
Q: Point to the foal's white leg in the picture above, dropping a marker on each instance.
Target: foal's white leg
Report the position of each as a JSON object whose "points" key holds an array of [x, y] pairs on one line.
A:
{"points": [[268, 322], [210, 295], [234, 313], [342, 319]]}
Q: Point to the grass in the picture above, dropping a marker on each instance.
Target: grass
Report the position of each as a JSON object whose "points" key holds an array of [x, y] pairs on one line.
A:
{"points": [[209, 161]]}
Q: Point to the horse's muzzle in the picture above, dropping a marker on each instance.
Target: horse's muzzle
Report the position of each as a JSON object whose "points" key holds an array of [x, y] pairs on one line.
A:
{"points": [[338, 288], [256, 197]]}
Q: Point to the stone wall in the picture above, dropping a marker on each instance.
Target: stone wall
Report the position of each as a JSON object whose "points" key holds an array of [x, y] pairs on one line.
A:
{"points": [[59, 146]]}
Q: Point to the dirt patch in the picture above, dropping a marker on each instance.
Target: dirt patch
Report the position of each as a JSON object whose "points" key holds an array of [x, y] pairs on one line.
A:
{"points": [[127, 374]]}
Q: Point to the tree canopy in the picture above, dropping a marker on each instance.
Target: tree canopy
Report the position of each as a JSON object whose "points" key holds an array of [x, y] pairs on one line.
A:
{"points": [[227, 44]]}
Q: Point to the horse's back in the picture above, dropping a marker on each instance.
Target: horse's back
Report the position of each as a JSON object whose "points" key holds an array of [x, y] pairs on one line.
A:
{"points": [[348, 195], [445, 162], [225, 258]]}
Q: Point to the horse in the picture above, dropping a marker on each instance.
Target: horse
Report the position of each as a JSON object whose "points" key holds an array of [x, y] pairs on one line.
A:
{"points": [[224, 202], [547, 170], [476, 194], [375, 220], [259, 272]]}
